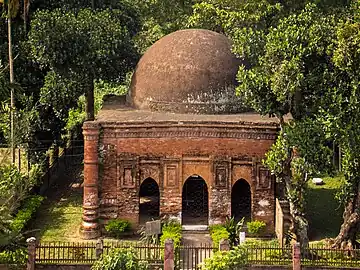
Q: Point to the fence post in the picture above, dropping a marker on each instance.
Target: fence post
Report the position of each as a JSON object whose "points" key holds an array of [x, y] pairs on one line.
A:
{"points": [[99, 248], [224, 245], [296, 256], [30, 265], [169, 263]]}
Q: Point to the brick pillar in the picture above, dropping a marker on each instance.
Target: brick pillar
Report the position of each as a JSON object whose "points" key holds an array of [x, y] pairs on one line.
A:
{"points": [[30, 265], [90, 226], [296, 257], [224, 245], [169, 255]]}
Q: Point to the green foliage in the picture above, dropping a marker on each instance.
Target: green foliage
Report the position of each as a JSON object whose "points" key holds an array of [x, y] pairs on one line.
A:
{"points": [[15, 187], [171, 230], [78, 48], [227, 260], [125, 259], [159, 18], [256, 227], [117, 227], [234, 229], [217, 233], [26, 212], [16, 257]]}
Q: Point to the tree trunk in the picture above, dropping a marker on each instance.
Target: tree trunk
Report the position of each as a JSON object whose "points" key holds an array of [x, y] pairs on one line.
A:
{"points": [[347, 235], [300, 225], [12, 98], [89, 105]]}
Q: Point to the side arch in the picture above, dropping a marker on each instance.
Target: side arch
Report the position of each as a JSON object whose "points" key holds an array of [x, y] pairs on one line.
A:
{"points": [[149, 200], [241, 200]]}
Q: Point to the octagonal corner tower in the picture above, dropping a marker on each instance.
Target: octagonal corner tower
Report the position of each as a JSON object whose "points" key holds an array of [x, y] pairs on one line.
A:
{"points": [[188, 71]]}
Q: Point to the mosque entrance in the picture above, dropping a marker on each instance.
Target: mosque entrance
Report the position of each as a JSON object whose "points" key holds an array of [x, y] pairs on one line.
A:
{"points": [[195, 201], [241, 200], [149, 207]]}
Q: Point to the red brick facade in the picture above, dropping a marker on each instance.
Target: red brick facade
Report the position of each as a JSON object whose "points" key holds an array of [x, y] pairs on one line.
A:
{"points": [[171, 152], [183, 128]]}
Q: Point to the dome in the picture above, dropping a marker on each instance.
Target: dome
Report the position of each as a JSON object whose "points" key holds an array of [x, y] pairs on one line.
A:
{"points": [[188, 71]]}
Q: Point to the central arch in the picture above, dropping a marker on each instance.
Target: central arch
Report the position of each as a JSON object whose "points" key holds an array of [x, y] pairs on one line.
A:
{"points": [[195, 201], [241, 200], [149, 204]]}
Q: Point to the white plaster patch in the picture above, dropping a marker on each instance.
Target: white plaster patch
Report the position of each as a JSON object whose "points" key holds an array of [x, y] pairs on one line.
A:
{"points": [[264, 203], [260, 213]]}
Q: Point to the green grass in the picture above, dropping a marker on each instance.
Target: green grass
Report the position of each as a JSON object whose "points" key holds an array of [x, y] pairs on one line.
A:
{"points": [[60, 221], [323, 210]]}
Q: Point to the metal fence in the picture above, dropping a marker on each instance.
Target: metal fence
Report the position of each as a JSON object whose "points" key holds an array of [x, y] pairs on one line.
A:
{"points": [[190, 257], [87, 253], [65, 253], [317, 256], [269, 255]]}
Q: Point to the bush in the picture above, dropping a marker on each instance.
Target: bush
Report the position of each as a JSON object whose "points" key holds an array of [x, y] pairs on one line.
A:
{"points": [[256, 227], [124, 259], [227, 260], [217, 233], [117, 227], [24, 215], [18, 257], [234, 230], [171, 230]]}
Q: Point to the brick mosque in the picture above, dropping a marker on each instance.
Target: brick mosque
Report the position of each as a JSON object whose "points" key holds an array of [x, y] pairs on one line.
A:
{"points": [[180, 144]]}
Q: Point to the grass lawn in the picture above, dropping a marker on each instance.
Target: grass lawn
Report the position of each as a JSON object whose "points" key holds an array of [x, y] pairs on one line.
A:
{"points": [[323, 211], [60, 219]]}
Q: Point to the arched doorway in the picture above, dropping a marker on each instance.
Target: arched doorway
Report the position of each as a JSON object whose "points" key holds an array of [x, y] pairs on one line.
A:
{"points": [[149, 207], [241, 200], [195, 201]]}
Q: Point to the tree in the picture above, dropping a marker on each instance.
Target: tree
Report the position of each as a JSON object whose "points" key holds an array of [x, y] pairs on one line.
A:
{"points": [[340, 114], [286, 69], [159, 18], [82, 47]]}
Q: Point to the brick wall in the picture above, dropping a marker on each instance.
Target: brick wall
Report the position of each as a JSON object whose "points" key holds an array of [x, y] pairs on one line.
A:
{"points": [[129, 156]]}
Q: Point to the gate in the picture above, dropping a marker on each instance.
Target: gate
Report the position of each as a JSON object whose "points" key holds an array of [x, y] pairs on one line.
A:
{"points": [[189, 257]]}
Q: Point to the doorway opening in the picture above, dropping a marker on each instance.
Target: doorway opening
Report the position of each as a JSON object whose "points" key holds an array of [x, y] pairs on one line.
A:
{"points": [[149, 207], [241, 200], [195, 201]]}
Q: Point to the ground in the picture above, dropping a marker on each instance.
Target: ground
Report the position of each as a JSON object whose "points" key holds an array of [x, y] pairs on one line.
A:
{"points": [[59, 218], [323, 210]]}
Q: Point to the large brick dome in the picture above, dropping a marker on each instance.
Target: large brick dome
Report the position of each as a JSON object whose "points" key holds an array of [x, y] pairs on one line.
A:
{"points": [[188, 71]]}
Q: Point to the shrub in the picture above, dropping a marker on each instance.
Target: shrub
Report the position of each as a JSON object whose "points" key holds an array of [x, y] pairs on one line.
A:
{"points": [[18, 256], [171, 230], [227, 260], [24, 215], [125, 259], [256, 227], [117, 227], [218, 232], [234, 229]]}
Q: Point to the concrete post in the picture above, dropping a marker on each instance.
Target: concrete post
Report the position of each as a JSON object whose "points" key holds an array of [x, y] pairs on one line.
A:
{"points": [[90, 226], [31, 242], [224, 245], [296, 256], [169, 255], [99, 248]]}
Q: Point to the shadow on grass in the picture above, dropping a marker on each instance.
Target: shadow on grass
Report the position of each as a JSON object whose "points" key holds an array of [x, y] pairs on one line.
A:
{"points": [[323, 211], [59, 217]]}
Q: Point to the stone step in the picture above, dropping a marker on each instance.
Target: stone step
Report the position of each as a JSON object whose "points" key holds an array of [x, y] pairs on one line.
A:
{"points": [[195, 228]]}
